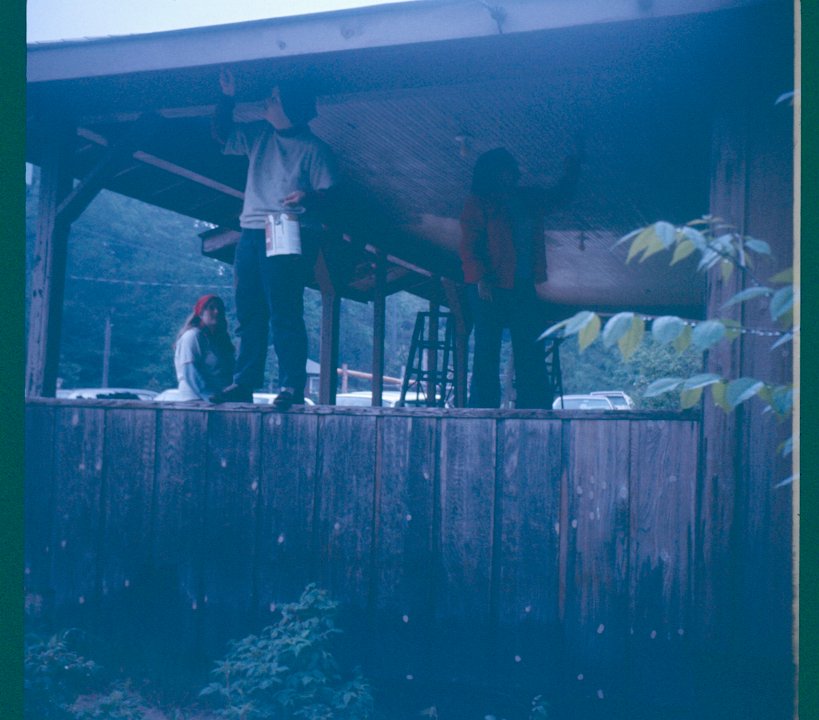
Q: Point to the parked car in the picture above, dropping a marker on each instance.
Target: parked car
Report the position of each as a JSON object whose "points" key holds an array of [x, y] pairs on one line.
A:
{"points": [[389, 398], [106, 394], [582, 402], [260, 398], [618, 398]]}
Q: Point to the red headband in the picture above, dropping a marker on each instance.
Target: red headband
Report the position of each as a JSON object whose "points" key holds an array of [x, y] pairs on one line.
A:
{"points": [[201, 302]]}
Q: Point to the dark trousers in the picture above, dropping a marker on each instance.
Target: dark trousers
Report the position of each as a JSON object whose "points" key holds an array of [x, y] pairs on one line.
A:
{"points": [[520, 310], [269, 293]]}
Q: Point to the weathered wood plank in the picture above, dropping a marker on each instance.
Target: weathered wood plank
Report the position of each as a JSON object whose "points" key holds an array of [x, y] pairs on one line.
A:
{"points": [[664, 467], [596, 605], [178, 518], [663, 485], [77, 526], [345, 490], [404, 535], [38, 508], [128, 463], [467, 491], [286, 562], [403, 579], [229, 534]]}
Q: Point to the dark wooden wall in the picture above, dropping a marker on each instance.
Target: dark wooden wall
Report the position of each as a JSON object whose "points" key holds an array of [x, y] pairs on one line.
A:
{"points": [[496, 541]]}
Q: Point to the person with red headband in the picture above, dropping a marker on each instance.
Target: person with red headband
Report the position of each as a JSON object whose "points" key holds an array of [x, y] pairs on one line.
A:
{"points": [[203, 351]]}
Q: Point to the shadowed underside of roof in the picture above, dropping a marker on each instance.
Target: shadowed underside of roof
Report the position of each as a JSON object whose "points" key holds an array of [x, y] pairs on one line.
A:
{"points": [[408, 120]]}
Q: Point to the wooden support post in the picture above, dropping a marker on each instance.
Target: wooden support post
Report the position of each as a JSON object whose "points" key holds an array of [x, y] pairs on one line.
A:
{"points": [[328, 349], [432, 350], [328, 352], [48, 273], [457, 306], [379, 326]]}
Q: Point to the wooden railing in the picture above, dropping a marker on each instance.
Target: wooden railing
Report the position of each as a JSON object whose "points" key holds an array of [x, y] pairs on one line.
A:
{"points": [[515, 536]]}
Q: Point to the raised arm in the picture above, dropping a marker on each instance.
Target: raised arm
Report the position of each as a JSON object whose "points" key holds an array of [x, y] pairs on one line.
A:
{"points": [[222, 121]]}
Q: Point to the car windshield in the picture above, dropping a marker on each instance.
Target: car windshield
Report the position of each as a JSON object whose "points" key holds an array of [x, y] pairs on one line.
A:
{"points": [[587, 403]]}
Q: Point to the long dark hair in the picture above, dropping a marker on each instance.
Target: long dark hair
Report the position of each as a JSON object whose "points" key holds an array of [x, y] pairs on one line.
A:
{"points": [[220, 335], [488, 169]]}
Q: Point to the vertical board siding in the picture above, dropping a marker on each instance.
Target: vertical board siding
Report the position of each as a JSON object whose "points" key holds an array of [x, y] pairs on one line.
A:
{"points": [[467, 494], [596, 615], [38, 510], [404, 535], [128, 462], [288, 484], [230, 527], [662, 527], [469, 545], [405, 546], [78, 464], [346, 482], [530, 500], [178, 524]]}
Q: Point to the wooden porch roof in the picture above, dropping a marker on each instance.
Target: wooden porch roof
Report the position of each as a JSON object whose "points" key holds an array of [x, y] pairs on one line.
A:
{"points": [[410, 95]]}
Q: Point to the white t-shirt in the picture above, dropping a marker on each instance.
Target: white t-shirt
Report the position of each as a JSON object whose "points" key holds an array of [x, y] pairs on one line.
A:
{"points": [[279, 164], [213, 368]]}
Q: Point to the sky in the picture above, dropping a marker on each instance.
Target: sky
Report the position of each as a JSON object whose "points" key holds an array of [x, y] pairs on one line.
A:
{"points": [[61, 20]]}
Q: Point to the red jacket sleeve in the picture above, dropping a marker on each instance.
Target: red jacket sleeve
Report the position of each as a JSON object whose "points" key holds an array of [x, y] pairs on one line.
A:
{"points": [[473, 249]]}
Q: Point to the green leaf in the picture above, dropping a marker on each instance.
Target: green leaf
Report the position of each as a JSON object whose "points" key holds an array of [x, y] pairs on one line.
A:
{"points": [[616, 327], [782, 400], [632, 339], [689, 398], [577, 322], [684, 339], [707, 333], [726, 268], [718, 395], [700, 381], [695, 236], [667, 329], [742, 389], [589, 332], [666, 233], [782, 302], [747, 294], [629, 236], [554, 328], [785, 276], [641, 242], [682, 251], [758, 246], [656, 245], [663, 385]]}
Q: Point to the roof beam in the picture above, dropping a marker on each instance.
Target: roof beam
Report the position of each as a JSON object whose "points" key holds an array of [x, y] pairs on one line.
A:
{"points": [[167, 166]]}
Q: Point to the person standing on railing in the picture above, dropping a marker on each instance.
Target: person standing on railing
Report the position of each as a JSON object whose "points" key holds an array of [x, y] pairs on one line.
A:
{"points": [[503, 254], [203, 351], [290, 172]]}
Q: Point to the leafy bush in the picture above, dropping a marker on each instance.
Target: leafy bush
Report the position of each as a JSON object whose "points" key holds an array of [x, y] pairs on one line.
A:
{"points": [[55, 672], [288, 671]]}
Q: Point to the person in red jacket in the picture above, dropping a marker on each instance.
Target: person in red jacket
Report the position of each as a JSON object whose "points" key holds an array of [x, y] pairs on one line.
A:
{"points": [[503, 254]]}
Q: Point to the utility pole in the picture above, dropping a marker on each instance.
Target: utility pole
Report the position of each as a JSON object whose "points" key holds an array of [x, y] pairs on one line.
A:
{"points": [[106, 352]]}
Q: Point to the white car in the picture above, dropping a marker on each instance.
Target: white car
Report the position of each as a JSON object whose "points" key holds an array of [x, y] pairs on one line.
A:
{"points": [[261, 398], [111, 393], [618, 398], [582, 402], [389, 398]]}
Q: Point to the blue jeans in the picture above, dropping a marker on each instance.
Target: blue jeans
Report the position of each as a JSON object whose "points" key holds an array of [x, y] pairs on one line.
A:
{"points": [[269, 293], [521, 311]]}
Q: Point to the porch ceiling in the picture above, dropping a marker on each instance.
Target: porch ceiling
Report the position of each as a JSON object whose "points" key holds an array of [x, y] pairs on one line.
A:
{"points": [[408, 119]]}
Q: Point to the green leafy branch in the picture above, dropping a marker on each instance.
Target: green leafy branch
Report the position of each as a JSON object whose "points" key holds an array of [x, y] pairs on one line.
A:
{"points": [[719, 245]]}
